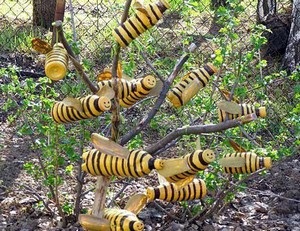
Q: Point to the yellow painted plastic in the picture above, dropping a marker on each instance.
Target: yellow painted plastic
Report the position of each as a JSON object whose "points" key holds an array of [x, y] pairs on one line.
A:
{"points": [[56, 64], [245, 110], [92, 106], [190, 85], [252, 163], [170, 192], [123, 220]]}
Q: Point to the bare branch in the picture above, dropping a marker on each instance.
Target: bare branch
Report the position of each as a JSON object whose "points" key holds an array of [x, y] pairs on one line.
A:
{"points": [[198, 129]]}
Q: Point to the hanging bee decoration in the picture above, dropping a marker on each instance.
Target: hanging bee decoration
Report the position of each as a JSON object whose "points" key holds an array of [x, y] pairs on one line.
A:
{"points": [[74, 109], [190, 85], [170, 192], [122, 219], [187, 166], [132, 91], [244, 162], [56, 64], [145, 18], [231, 110], [139, 163], [116, 219], [111, 159]]}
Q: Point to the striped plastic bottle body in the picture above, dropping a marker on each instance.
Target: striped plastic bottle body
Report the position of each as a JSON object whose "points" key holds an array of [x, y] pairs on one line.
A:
{"points": [[92, 106], [190, 85], [252, 163], [138, 163], [245, 110], [142, 88], [139, 23], [169, 192], [121, 219], [196, 162]]}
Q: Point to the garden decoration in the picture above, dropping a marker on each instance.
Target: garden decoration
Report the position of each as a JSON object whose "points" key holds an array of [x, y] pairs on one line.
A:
{"points": [[145, 18], [190, 85]]}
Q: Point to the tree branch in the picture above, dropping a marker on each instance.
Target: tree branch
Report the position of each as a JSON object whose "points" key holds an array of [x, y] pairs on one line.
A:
{"points": [[198, 129]]}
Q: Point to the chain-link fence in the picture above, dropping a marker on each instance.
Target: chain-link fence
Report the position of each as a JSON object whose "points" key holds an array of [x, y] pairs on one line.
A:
{"points": [[88, 25]]}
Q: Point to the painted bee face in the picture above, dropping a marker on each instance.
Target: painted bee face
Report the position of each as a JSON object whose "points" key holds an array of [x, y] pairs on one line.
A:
{"points": [[208, 156], [139, 226], [105, 103], [149, 81]]}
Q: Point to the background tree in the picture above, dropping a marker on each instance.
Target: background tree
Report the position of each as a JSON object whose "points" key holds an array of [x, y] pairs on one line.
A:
{"points": [[292, 57], [43, 13]]}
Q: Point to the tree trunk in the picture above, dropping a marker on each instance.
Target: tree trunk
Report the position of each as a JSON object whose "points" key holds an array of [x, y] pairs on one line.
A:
{"points": [[43, 13], [266, 9], [279, 27], [292, 54]]}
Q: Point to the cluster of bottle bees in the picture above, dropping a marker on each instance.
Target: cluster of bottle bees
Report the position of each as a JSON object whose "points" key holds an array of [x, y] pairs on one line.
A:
{"points": [[179, 174]]}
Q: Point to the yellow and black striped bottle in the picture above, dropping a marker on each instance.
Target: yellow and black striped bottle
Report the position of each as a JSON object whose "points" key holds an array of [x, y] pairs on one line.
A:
{"points": [[121, 219], [124, 86], [245, 110], [140, 22], [92, 106], [142, 88], [138, 163], [170, 192], [252, 162], [190, 85], [198, 160], [56, 64]]}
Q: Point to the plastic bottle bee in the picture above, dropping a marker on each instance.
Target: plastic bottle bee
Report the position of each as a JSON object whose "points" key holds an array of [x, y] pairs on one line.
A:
{"points": [[137, 164], [244, 162], [71, 109], [56, 64], [170, 192], [194, 162], [142, 89], [121, 219], [190, 84], [242, 109], [132, 91], [145, 18]]}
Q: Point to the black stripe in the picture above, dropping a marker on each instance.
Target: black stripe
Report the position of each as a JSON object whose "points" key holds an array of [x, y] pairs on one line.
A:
{"points": [[121, 37], [105, 163], [131, 225], [206, 77], [178, 97], [128, 32], [156, 193], [93, 162], [172, 192], [142, 23], [153, 11], [134, 27], [208, 69], [87, 161], [89, 104], [98, 161]]}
